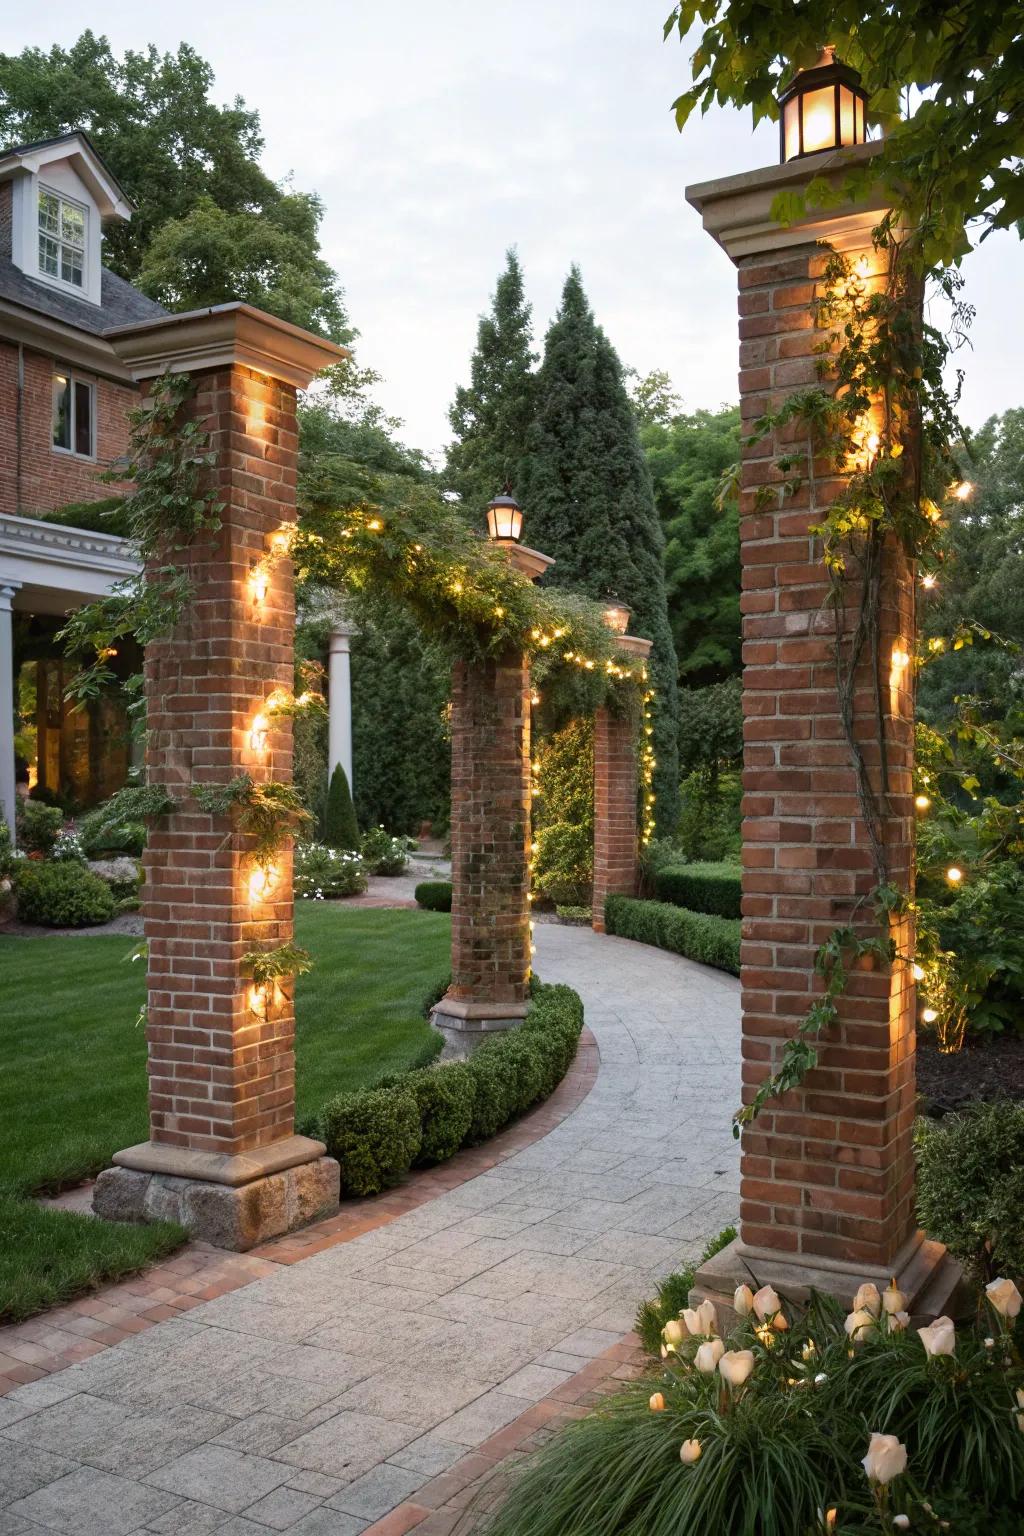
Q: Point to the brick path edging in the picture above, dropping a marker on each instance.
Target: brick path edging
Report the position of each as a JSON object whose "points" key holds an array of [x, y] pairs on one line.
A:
{"points": [[66, 1334]]}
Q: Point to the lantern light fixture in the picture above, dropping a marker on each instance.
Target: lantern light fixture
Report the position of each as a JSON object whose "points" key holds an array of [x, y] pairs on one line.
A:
{"points": [[616, 614], [505, 517], [822, 108]]}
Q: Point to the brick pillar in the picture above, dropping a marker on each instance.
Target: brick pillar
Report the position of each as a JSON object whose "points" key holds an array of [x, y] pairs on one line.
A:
{"points": [[615, 810], [827, 1174], [490, 835], [222, 1155]]}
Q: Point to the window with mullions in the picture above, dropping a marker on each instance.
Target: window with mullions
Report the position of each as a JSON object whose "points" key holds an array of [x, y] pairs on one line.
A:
{"points": [[61, 239], [73, 416]]}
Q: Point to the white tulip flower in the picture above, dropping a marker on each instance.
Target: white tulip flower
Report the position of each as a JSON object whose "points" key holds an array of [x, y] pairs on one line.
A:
{"points": [[901, 1522], [736, 1365], [886, 1459], [689, 1452], [767, 1303], [708, 1356], [898, 1321], [1004, 1296], [867, 1299], [701, 1320], [674, 1333], [743, 1301], [893, 1299], [860, 1325], [939, 1338]]}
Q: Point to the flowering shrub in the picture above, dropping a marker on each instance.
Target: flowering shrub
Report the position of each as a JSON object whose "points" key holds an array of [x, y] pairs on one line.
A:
{"points": [[324, 874], [797, 1424], [384, 854], [68, 848]]}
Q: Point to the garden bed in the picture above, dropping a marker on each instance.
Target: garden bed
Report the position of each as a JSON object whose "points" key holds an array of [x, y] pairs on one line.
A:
{"points": [[991, 1068]]}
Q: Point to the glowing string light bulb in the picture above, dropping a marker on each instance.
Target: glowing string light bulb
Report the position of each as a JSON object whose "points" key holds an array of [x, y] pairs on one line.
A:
{"points": [[954, 874], [929, 1015], [922, 802]]}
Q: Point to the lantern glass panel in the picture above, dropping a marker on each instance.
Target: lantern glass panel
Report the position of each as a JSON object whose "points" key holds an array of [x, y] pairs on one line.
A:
{"points": [[859, 108], [819, 119], [791, 126], [504, 522], [846, 120]]}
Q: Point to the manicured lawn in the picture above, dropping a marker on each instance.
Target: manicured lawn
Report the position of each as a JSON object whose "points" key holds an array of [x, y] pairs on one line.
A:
{"points": [[73, 1084]]}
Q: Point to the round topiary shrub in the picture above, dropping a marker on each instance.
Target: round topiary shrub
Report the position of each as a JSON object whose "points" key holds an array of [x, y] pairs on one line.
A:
{"points": [[38, 826], [446, 1096], [63, 895], [375, 1136], [434, 895], [970, 1186]]}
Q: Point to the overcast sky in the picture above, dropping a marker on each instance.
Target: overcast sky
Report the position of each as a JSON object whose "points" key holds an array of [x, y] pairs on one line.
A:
{"points": [[438, 134]]}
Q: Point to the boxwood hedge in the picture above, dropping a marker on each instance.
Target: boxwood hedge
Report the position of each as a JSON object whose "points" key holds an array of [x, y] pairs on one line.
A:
{"points": [[713, 888], [697, 935], [434, 895]]}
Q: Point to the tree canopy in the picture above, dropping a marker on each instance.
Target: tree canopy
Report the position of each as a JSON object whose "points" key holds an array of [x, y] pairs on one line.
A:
{"points": [[209, 224], [491, 414], [945, 78]]}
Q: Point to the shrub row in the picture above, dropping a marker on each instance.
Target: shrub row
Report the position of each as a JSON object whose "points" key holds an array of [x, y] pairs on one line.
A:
{"points": [[697, 935], [713, 888], [423, 1117], [434, 895]]}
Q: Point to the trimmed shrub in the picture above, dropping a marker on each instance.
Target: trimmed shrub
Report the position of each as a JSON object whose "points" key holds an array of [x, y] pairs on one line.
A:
{"points": [[341, 830], [327, 874], [445, 1095], [62, 895], [970, 1186], [713, 888], [434, 895], [494, 1104], [7, 855], [375, 1136], [697, 935], [384, 854], [38, 825]]}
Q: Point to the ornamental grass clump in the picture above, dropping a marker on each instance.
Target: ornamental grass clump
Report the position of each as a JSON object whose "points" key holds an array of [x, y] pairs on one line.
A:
{"points": [[799, 1423]]}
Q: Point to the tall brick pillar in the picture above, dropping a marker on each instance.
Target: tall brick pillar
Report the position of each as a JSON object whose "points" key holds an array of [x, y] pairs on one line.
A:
{"points": [[222, 1157], [616, 790], [827, 1177], [490, 836]]}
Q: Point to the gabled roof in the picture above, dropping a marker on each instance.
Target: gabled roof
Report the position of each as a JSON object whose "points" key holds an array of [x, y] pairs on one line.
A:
{"points": [[111, 198]]}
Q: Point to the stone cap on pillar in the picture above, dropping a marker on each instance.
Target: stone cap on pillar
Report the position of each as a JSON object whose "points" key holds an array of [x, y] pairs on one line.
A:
{"points": [[737, 210], [221, 336], [634, 645]]}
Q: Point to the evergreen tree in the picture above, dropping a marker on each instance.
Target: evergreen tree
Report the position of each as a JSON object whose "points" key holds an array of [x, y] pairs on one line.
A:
{"points": [[491, 415], [588, 501], [341, 829]]}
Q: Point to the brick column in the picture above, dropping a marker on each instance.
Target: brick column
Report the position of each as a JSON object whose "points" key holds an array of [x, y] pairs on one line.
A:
{"points": [[490, 837], [222, 1155], [615, 818], [827, 1177]]}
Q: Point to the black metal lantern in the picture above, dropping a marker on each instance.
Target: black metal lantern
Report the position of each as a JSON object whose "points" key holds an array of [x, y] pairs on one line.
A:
{"points": [[616, 615], [822, 108], [505, 517]]}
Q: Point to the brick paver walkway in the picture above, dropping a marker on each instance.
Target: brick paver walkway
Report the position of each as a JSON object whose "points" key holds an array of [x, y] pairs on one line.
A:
{"points": [[337, 1394]]}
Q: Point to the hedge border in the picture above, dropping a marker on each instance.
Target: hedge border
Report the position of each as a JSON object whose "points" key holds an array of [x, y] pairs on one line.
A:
{"points": [[425, 1116], [700, 936], [710, 888]]}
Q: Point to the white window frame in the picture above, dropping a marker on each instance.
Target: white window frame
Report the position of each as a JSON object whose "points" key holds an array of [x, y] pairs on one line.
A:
{"points": [[81, 290], [74, 379]]}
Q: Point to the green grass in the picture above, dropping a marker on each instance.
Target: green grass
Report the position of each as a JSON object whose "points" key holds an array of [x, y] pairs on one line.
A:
{"points": [[73, 1088]]}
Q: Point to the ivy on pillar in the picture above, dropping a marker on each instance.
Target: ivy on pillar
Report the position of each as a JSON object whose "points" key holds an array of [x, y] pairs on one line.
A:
{"points": [[827, 1174], [222, 1155]]}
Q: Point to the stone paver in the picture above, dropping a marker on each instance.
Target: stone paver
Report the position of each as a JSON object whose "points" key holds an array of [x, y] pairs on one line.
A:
{"points": [[345, 1388]]}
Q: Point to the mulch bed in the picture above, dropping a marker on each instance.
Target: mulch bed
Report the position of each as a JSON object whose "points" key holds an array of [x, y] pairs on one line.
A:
{"points": [[989, 1069]]}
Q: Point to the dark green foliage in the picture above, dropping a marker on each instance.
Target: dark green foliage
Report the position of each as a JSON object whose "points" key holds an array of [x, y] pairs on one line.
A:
{"points": [[103, 833], [445, 1095], [688, 456], [491, 415], [7, 860], [587, 498], [434, 895], [674, 1294], [104, 516], [374, 1134], [970, 1186], [563, 863], [62, 895], [711, 726], [697, 935], [435, 994], [495, 1102], [701, 887], [383, 854], [38, 825], [309, 763], [709, 815], [565, 776], [341, 829]]}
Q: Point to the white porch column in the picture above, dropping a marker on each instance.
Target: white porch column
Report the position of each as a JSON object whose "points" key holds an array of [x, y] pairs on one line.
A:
{"points": [[7, 788], [339, 702]]}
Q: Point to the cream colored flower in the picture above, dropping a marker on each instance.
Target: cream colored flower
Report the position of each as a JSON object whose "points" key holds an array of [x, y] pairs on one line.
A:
{"points": [[780, 1322], [860, 1325], [809, 1349], [1004, 1296], [1020, 1397], [898, 1321], [656, 1402], [689, 1452], [736, 1365], [940, 1338], [886, 1459], [708, 1355], [743, 1301], [901, 1522], [674, 1333], [893, 1299], [766, 1302], [867, 1299], [701, 1320]]}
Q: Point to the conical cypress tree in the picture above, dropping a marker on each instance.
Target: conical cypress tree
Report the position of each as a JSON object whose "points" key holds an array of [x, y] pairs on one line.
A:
{"points": [[588, 501], [491, 415], [341, 829]]}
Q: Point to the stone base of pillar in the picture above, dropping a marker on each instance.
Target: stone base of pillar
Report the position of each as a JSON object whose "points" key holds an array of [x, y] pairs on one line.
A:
{"points": [[232, 1202], [465, 1024], [927, 1275]]}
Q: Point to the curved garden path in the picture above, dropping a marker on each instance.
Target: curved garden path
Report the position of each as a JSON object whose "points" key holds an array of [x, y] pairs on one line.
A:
{"points": [[320, 1397]]}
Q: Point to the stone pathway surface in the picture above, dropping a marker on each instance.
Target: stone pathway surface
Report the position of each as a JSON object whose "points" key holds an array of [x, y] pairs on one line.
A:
{"points": [[320, 1397]]}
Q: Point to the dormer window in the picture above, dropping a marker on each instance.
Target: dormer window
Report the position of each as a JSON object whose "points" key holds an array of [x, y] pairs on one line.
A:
{"points": [[62, 238]]}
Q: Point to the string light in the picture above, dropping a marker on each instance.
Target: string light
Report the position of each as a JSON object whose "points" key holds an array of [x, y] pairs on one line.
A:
{"points": [[922, 802], [929, 581], [954, 875], [929, 1015], [918, 972], [963, 490]]}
